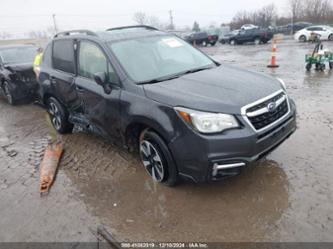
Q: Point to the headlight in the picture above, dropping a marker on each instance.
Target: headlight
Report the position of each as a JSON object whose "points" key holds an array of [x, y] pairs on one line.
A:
{"points": [[206, 122], [283, 85]]}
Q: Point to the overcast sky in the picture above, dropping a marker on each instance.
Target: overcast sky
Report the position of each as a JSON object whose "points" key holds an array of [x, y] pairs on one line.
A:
{"points": [[22, 16]]}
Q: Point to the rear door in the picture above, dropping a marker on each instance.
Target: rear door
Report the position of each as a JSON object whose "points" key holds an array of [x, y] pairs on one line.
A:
{"points": [[100, 108], [62, 76]]}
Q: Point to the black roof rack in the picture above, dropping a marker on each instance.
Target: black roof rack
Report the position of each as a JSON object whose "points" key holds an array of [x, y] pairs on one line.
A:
{"points": [[133, 27], [79, 31]]}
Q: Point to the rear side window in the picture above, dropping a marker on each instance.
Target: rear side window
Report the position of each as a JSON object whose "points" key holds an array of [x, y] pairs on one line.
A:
{"points": [[47, 59], [63, 56]]}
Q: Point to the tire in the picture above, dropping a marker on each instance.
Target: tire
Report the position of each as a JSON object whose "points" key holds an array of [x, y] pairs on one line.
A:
{"points": [[330, 37], [331, 65], [233, 42], [257, 41], [302, 38], [58, 116], [322, 67], [157, 159], [308, 67], [8, 93], [204, 43]]}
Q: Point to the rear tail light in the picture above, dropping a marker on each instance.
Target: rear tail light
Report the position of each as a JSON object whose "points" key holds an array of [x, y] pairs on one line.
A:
{"points": [[210, 37]]}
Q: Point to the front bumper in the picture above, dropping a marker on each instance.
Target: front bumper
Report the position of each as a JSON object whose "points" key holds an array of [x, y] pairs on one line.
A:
{"points": [[24, 90], [205, 158]]}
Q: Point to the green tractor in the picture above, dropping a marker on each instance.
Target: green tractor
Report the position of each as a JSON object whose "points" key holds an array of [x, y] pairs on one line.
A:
{"points": [[319, 58]]}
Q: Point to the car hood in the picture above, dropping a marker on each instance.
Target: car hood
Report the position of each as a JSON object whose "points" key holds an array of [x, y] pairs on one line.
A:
{"points": [[222, 89], [22, 67]]}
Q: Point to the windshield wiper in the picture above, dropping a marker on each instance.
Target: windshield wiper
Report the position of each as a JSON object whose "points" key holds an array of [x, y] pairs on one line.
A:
{"points": [[157, 80], [196, 70]]}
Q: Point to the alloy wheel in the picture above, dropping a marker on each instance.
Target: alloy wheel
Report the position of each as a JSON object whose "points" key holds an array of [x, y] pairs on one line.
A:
{"points": [[152, 160], [55, 115]]}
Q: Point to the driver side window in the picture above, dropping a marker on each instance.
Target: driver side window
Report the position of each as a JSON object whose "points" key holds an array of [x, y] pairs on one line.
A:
{"points": [[92, 60]]}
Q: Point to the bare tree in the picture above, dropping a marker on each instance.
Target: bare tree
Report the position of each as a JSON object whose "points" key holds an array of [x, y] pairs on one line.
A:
{"points": [[140, 18], [143, 19], [263, 17], [296, 9]]}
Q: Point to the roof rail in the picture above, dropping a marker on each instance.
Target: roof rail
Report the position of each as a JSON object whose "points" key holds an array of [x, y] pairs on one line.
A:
{"points": [[78, 31], [132, 27]]}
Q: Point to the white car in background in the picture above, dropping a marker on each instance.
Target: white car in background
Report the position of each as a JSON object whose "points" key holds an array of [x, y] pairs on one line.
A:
{"points": [[325, 32], [249, 26]]}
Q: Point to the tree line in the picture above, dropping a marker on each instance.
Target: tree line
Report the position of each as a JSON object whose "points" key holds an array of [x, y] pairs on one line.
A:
{"points": [[313, 11]]}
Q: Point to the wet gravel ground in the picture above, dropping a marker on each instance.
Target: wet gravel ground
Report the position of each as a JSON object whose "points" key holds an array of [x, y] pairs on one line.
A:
{"points": [[286, 197]]}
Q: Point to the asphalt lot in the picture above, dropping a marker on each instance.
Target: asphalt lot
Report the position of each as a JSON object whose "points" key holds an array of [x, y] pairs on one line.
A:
{"points": [[286, 197]]}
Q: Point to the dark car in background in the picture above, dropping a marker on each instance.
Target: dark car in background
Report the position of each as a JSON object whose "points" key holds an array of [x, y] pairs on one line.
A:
{"points": [[202, 38], [186, 115], [17, 79], [225, 38], [257, 36], [292, 28]]}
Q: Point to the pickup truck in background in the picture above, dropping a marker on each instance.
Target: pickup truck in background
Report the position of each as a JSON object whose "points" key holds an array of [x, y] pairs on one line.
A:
{"points": [[202, 38], [258, 36]]}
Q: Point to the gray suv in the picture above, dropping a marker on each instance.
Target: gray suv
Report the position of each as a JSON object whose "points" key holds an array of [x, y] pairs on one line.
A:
{"points": [[187, 115]]}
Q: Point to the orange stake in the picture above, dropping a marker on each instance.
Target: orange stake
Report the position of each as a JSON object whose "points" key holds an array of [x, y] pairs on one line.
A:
{"points": [[274, 50], [49, 166]]}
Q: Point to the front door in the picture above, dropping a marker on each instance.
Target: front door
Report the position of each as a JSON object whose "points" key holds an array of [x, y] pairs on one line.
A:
{"points": [[101, 108]]}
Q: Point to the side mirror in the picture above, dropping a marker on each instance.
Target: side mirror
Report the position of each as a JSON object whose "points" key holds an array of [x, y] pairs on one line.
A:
{"points": [[100, 78]]}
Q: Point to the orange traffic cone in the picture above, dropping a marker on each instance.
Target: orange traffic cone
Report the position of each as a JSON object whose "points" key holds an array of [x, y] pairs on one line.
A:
{"points": [[49, 166], [274, 50]]}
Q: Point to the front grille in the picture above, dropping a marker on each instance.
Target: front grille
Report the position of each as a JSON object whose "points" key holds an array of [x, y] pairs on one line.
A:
{"points": [[266, 117]]}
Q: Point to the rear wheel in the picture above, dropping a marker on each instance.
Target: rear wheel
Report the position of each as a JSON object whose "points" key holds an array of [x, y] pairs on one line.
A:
{"points": [[58, 116], [322, 67], [8, 93], [330, 38], [157, 159], [331, 65], [204, 43]]}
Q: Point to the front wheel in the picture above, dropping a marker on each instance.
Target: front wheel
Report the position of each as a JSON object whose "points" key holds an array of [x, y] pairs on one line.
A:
{"points": [[233, 42], [330, 38], [58, 116], [308, 67], [257, 41], [157, 159], [331, 65], [8, 93], [204, 43]]}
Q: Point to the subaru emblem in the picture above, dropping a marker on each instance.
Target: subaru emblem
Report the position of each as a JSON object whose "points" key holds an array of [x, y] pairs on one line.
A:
{"points": [[271, 107]]}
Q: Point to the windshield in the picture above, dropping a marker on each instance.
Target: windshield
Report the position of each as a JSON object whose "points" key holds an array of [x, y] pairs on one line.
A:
{"points": [[18, 55], [150, 58]]}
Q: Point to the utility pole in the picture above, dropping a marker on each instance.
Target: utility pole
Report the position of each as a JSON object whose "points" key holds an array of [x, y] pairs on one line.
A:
{"points": [[54, 23], [172, 26]]}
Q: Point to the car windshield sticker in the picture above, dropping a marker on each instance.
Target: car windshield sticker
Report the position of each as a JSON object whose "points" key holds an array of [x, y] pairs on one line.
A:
{"points": [[172, 42]]}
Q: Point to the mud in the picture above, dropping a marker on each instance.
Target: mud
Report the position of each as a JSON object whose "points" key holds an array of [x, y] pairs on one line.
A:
{"points": [[286, 197]]}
